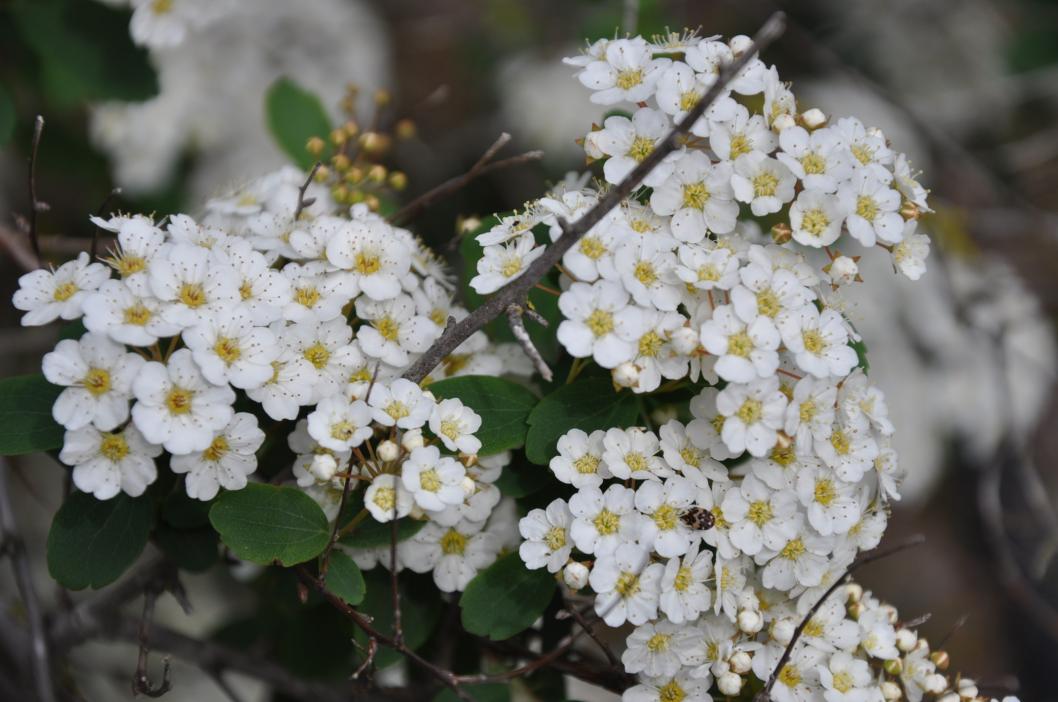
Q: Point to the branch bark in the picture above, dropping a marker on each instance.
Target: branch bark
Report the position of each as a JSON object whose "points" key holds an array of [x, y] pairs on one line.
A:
{"points": [[518, 289]]}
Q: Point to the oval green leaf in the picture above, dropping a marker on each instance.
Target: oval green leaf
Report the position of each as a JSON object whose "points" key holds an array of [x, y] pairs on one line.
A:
{"points": [[92, 542], [503, 405], [345, 579], [505, 598], [294, 116], [26, 425], [588, 404], [268, 524]]}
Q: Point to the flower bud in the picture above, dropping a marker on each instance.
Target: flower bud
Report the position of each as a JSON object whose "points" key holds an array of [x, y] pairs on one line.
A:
{"points": [[575, 575], [468, 486], [783, 121], [741, 662], [591, 146], [967, 689], [729, 684], [950, 697], [853, 592], [906, 640], [855, 610], [404, 129], [747, 599], [891, 691], [740, 44], [323, 466], [412, 440], [893, 666], [685, 340], [626, 375], [940, 659], [936, 683], [782, 631], [813, 119], [664, 413], [315, 145], [781, 233], [843, 270], [388, 451], [749, 621], [398, 180]]}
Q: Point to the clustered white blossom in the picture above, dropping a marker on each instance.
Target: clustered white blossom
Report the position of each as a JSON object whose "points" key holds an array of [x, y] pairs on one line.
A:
{"points": [[312, 318], [715, 537]]}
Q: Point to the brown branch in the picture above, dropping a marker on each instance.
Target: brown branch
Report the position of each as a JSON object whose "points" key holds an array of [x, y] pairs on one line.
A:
{"points": [[521, 335], [13, 546], [141, 682], [484, 165], [876, 555], [518, 289], [35, 206], [304, 202], [583, 622]]}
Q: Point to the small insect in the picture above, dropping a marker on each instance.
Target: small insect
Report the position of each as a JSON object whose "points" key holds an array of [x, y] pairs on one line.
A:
{"points": [[698, 518]]}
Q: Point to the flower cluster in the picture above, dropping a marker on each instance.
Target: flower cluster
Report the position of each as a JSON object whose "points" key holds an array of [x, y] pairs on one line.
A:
{"points": [[312, 316]]}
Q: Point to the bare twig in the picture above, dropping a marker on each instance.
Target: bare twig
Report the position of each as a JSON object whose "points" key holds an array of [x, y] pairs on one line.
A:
{"points": [[35, 206], [583, 622], [517, 290], [765, 693], [40, 658], [521, 335], [484, 165], [141, 681], [19, 251], [99, 213], [369, 658], [303, 201]]}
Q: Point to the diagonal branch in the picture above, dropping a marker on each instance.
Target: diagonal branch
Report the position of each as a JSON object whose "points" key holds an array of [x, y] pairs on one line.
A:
{"points": [[517, 290]]}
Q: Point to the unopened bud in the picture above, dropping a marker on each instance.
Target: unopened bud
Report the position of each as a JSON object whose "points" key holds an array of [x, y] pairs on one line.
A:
{"points": [[749, 621], [468, 485], [411, 440], [322, 174], [377, 173], [781, 233], [591, 146], [372, 202], [813, 119], [351, 129], [950, 697], [783, 121], [404, 129], [843, 270], [853, 592], [340, 162], [906, 640], [338, 136], [936, 683], [626, 375], [664, 413], [684, 340], [383, 97], [940, 659], [740, 44], [967, 689], [323, 466], [782, 631], [575, 575], [374, 143], [740, 662], [315, 145], [910, 210], [729, 684], [388, 451], [855, 610], [891, 691], [397, 180], [893, 666]]}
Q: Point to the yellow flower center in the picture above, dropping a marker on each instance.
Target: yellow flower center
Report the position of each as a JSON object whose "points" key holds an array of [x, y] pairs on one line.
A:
{"points": [[317, 355], [178, 401], [739, 344], [216, 449], [840, 442], [397, 409], [438, 317], [113, 447], [137, 315], [807, 411], [64, 291], [627, 584], [790, 677], [127, 264], [385, 498], [246, 290], [768, 303], [750, 411], [709, 272], [813, 163], [606, 522], [592, 247], [760, 512], [629, 78], [306, 297], [162, 7], [866, 207], [645, 273], [367, 263], [453, 543], [695, 195], [342, 430], [635, 461], [739, 145], [666, 517], [587, 464], [192, 295], [842, 682], [718, 423], [600, 322], [511, 267], [688, 100], [650, 344], [658, 643], [555, 538], [813, 341], [429, 480], [825, 492], [765, 184], [813, 628], [793, 549], [97, 381], [227, 349], [815, 222], [388, 328], [640, 148], [640, 226], [784, 456], [682, 580], [691, 456], [862, 153], [450, 428]]}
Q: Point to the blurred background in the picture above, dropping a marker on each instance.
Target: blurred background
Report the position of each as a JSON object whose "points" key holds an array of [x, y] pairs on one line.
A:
{"points": [[966, 356]]}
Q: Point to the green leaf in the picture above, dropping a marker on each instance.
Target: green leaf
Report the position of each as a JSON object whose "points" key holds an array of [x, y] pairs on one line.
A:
{"points": [[26, 424], [520, 479], [84, 52], [345, 579], [505, 598], [488, 692], [504, 407], [294, 116], [861, 354], [92, 542], [588, 404], [266, 524], [191, 549], [185, 512], [7, 115]]}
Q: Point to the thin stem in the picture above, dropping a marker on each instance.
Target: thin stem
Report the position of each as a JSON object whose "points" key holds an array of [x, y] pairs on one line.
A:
{"points": [[35, 206]]}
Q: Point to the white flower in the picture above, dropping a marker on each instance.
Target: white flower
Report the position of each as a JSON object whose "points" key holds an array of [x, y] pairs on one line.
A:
{"points": [[767, 288], [183, 229], [126, 317], [707, 269], [849, 451], [289, 387], [810, 414], [818, 159], [759, 517], [164, 24], [181, 275], [816, 218], [753, 415], [377, 259], [264, 291], [819, 341], [846, 679], [230, 349], [579, 461], [633, 453], [627, 586], [863, 405], [685, 591], [455, 554], [763, 182], [645, 266], [628, 141], [800, 561], [872, 209], [910, 255], [316, 294], [48, 295], [867, 146], [598, 322], [225, 463], [338, 424], [325, 346], [139, 241], [699, 197], [678, 687], [661, 649], [433, 481], [98, 375], [831, 503], [745, 351], [387, 499], [401, 403], [626, 72], [105, 463], [502, 263], [603, 521], [454, 424], [177, 407], [664, 504], [683, 454], [704, 429], [878, 637], [743, 133], [394, 330], [547, 540]]}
